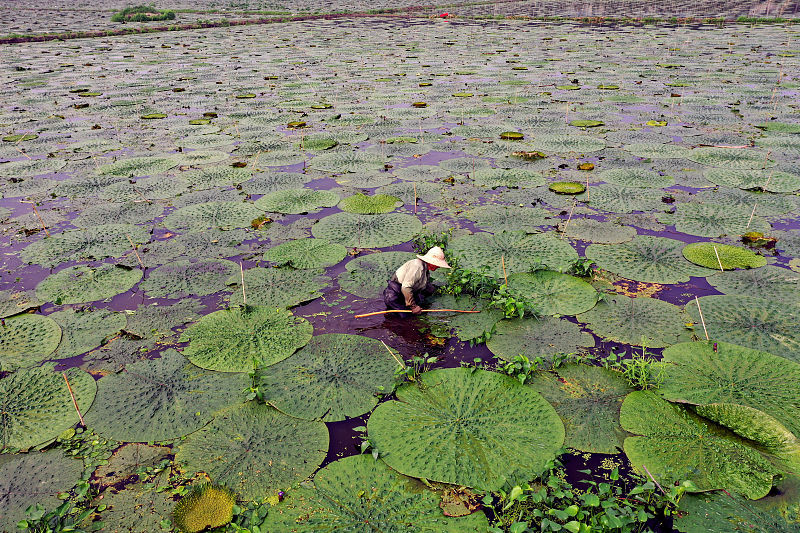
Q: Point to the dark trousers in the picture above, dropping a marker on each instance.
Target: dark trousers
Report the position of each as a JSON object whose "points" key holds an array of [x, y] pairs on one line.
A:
{"points": [[394, 299]]}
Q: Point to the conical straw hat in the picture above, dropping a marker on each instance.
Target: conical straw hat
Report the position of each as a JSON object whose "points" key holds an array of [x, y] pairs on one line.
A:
{"points": [[435, 256]]}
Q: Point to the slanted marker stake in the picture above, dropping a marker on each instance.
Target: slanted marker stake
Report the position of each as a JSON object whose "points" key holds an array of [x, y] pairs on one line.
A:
{"points": [[718, 261], [399, 362], [244, 296], [36, 212], [415, 197], [503, 264], [701, 317], [751, 215], [564, 231], [74, 402], [134, 251]]}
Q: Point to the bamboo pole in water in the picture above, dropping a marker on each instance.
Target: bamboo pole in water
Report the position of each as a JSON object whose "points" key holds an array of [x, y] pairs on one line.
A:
{"points": [[409, 311]]}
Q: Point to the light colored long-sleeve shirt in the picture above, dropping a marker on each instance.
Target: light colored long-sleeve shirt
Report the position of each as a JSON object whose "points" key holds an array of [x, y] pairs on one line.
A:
{"points": [[413, 276]]}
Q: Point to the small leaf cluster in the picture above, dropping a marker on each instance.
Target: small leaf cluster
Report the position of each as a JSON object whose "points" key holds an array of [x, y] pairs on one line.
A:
{"points": [[642, 371], [142, 14]]}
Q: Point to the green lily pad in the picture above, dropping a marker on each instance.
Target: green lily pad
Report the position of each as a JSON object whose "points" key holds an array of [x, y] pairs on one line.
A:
{"points": [[37, 405], [636, 178], [31, 167], [467, 326], [588, 399], [567, 187], [296, 201], [120, 213], [768, 180], [34, 477], [553, 293], [537, 337], [255, 450], [712, 255], [708, 220], [20, 137], [217, 176], [333, 377], [675, 444], [85, 329], [648, 259], [95, 243], [505, 177], [723, 512], [696, 373], [370, 205], [230, 339], [158, 321], [389, 502], [162, 399], [367, 231], [658, 151], [81, 284], [367, 276], [139, 507], [599, 232], [586, 123], [771, 282], [131, 167], [223, 215], [731, 158], [563, 144], [519, 252], [616, 199], [306, 253], [27, 339], [638, 321], [345, 162], [13, 303], [277, 287], [129, 460], [472, 428], [766, 325], [184, 278], [495, 218]]}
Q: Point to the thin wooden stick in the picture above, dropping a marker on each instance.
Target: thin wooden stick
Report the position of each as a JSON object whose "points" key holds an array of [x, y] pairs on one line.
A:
{"points": [[134, 250], [765, 160], [255, 161], [503, 264], [701, 317], [415, 197], [422, 311], [75, 403], [751, 215], [564, 231], [718, 261], [36, 212], [142, 196], [654, 481], [399, 362], [244, 296], [768, 180]]}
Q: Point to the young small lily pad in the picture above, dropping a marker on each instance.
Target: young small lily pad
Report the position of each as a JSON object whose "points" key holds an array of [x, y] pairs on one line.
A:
{"points": [[567, 187]]}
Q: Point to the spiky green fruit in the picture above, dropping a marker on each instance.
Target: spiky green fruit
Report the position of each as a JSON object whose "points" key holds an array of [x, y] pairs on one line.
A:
{"points": [[207, 506]]}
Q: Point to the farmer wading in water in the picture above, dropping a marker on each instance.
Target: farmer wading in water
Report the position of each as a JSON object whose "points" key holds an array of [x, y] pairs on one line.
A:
{"points": [[411, 282]]}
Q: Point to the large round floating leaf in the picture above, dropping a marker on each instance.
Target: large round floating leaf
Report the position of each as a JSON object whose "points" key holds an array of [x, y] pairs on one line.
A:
{"points": [[657, 150], [130, 460], [519, 252], [158, 321], [646, 258], [465, 165], [139, 166], [768, 180], [277, 287], [255, 450], [766, 204], [85, 329], [223, 215], [139, 507], [588, 399], [507, 177], [712, 255], [697, 373], [638, 321], [730, 158], [81, 284], [31, 167], [296, 201], [599, 232], [162, 399], [306, 253], [230, 340], [709, 220], [389, 502], [333, 377], [180, 279], [27, 339], [267, 182], [616, 199], [218, 176], [553, 293], [367, 276], [568, 143], [636, 178], [537, 337], [675, 444], [344, 162], [35, 477], [37, 405], [367, 231], [120, 213], [89, 185], [500, 218], [758, 323], [202, 157], [771, 282], [14, 303], [95, 243], [723, 512], [465, 427], [467, 326], [370, 205]]}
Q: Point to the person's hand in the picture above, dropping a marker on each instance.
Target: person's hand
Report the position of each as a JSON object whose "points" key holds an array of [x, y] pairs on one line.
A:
{"points": [[416, 309]]}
